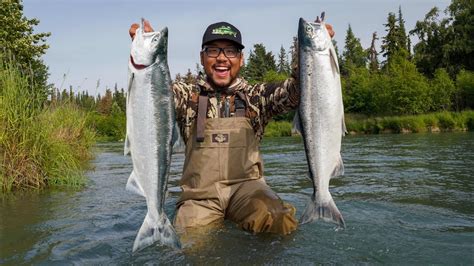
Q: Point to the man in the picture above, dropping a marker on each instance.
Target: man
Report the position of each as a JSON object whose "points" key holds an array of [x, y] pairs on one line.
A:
{"points": [[222, 119]]}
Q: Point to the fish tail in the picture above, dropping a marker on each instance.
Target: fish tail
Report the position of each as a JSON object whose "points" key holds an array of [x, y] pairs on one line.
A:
{"points": [[153, 230], [327, 211]]}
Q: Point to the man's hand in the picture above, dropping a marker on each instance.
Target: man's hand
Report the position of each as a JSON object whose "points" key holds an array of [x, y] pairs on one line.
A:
{"points": [[330, 30], [135, 26]]}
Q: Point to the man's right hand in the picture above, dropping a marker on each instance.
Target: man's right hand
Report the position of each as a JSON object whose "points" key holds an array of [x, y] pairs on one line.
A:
{"points": [[135, 26]]}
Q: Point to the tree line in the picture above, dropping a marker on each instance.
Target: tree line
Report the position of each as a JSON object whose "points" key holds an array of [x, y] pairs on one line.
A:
{"points": [[434, 74]]}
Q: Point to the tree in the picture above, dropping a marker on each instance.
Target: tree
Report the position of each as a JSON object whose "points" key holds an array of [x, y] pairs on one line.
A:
{"points": [[353, 52], [403, 39], [189, 78], [389, 42], [465, 90], [373, 55], [283, 66], [441, 91], [461, 45], [18, 39], [104, 105], [259, 62], [429, 53]]}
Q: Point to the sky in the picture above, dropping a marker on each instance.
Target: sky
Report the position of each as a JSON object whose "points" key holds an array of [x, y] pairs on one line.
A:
{"points": [[90, 44]]}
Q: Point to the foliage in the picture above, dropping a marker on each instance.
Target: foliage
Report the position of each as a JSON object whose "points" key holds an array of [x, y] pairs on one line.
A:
{"points": [[283, 66], [259, 63], [465, 89], [278, 129], [18, 39], [442, 91], [38, 146], [433, 122], [353, 53]]}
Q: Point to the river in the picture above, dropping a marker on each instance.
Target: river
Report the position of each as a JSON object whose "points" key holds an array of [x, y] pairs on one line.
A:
{"points": [[406, 199]]}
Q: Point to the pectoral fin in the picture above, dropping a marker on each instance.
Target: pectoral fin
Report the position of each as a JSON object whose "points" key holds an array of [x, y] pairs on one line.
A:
{"points": [[133, 185], [333, 55]]}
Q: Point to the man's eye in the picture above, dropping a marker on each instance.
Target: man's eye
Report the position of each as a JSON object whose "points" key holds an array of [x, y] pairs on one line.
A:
{"points": [[212, 50]]}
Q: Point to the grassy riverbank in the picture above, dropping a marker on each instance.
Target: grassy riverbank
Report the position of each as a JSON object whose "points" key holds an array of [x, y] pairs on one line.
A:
{"points": [[360, 124], [40, 145]]}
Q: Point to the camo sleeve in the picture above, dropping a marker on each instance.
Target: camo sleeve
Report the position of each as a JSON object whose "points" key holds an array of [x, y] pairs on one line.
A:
{"points": [[274, 99], [182, 99]]}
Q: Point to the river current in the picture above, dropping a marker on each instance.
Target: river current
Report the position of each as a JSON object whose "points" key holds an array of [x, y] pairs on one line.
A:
{"points": [[405, 199]]}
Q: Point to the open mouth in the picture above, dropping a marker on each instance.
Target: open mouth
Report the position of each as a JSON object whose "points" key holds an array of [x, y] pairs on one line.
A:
{"points": [[222, 71]]}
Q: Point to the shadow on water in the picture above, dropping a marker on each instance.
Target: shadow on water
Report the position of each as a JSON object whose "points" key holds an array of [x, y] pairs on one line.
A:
{"points": [[405, 198]]}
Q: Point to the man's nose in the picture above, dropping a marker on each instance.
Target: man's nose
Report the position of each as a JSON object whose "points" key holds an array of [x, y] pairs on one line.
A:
{"points": [[221, 56]]}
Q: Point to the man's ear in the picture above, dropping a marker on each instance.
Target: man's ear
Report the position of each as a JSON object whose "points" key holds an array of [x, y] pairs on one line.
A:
{"points": [[202, 58], [242, 57]]}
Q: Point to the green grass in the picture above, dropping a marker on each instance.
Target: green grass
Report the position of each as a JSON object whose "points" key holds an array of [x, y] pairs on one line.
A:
{"points": [[39, 146], [278, 129], [443, 121]]}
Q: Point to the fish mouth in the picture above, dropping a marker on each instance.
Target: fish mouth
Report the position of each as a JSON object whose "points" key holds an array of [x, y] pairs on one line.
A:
{"points": [[137, 66]]}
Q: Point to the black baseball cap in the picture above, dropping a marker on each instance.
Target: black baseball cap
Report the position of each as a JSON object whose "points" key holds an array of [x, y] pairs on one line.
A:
{"points": [[222, 31]]}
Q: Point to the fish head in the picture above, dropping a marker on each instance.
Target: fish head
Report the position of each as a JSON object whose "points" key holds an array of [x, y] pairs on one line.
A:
{"points": [[148, 47], [314, 35]]}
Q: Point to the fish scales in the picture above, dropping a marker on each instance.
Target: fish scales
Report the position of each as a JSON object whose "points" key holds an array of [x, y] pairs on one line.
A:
{"points": [[150, 134], [321, 117]]}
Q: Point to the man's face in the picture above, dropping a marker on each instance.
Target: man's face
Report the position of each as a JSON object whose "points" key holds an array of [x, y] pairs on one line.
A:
{"points": [[221, 70]]}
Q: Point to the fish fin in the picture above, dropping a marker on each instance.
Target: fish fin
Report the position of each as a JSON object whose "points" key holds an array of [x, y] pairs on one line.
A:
{"points": [[328, 212], [297, 128], [153, 230], [133, 185], [333, 56], [338, 168], [344, 128], [126, 146], [176, 135]]}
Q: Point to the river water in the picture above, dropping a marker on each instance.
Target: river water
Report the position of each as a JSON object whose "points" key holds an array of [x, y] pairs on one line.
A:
{"points": [[406, 199]]}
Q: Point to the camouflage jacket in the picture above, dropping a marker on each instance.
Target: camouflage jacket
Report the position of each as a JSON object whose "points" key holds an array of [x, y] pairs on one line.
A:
{"points": [[263, 102]]}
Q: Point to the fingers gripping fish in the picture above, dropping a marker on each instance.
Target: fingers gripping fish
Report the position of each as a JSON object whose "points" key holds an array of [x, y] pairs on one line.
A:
{"points": [[150, 133]]}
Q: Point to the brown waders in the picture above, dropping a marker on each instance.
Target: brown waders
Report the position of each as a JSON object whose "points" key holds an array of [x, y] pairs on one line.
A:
{"points": [[222, 179]]}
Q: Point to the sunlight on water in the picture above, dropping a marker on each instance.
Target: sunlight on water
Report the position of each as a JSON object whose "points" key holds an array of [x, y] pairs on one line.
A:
{"points": [[406, 199]]}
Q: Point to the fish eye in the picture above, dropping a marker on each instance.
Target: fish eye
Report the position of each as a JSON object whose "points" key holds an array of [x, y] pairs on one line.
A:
{"points": [[309, 29]]}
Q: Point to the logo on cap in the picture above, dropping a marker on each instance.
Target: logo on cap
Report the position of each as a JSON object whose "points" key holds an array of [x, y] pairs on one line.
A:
{"points": [[224, 30]]}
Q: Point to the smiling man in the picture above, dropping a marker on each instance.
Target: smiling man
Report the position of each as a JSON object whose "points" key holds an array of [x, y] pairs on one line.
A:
{"points": [[222, 119]]}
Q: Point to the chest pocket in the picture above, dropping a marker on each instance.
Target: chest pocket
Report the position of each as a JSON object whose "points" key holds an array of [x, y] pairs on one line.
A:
{"points": [[225, 133]]}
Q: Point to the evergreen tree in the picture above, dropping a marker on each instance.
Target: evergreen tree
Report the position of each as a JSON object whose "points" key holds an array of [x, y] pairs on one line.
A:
{"points": [[353, 52], [259, 63], [373, 54], [189, 78], [390, 41], [283, 67], [402, 35]]}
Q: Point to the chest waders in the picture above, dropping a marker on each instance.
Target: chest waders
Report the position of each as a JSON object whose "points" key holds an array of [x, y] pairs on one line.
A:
{"points": [[223, 178]]}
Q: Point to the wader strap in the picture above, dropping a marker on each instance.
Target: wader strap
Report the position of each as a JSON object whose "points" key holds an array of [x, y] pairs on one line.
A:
{"points": [[240, 103], [201, 119]]}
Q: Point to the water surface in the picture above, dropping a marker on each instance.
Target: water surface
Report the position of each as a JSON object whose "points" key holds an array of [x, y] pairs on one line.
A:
{"points": [[405, 199]]}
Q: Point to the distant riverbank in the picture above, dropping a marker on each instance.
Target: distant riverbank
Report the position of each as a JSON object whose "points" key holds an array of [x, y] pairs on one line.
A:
{"points": [[360, 124]]}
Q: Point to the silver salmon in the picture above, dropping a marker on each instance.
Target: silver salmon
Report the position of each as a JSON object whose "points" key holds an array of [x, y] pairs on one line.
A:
{"points": [[321, 116], [150, 133]]}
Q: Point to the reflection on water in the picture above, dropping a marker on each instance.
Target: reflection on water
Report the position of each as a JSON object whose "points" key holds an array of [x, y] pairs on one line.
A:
{"points": [[405, 198]]}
